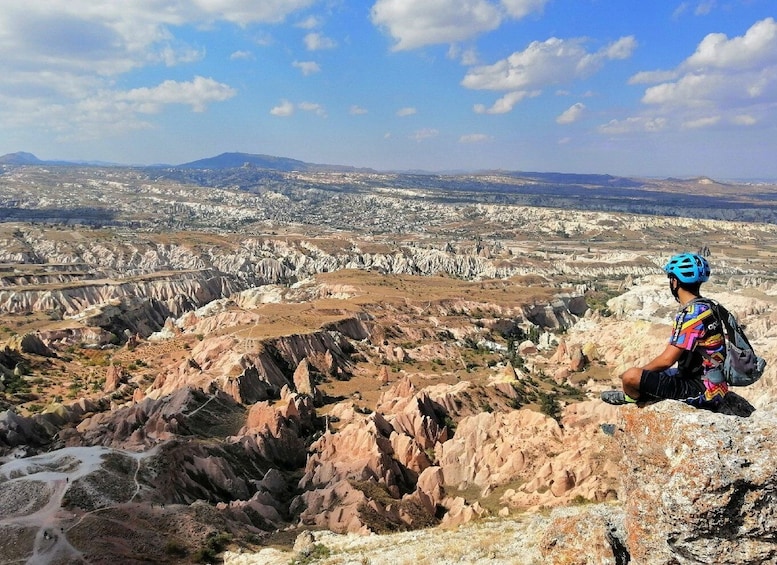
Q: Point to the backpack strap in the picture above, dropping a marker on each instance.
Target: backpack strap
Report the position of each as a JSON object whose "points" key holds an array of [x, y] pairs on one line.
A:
{"points": [[724, 316], [715, 373]]}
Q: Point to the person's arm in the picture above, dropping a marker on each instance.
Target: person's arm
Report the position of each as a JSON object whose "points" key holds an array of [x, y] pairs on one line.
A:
{"points": [[668, 357]]}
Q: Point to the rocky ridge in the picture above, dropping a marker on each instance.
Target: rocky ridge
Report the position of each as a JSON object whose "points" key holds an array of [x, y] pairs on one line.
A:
{"points": [[423, 455]]}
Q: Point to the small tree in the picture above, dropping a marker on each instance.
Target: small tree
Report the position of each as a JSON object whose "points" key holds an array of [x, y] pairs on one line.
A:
{"points": [[549, 405]]}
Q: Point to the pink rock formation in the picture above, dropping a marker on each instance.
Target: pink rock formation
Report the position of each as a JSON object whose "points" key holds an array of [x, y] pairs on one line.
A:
{"points": [[304, 383], [459, 512], [418, 420], [430, 491], [576, 359], [530, 450], [384, 375], [114, 377], [561, 355], [360, 451]]}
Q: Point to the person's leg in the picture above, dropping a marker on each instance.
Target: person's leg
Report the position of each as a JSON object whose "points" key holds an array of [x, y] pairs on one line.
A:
{"points": [[662, 385], [630, 381], [645, 386]]}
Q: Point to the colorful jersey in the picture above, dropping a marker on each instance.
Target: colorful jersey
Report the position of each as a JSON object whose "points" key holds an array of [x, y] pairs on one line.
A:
{"points": [[700, 334]]}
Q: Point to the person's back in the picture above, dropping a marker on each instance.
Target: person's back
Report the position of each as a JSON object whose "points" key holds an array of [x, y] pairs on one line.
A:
{"points": [[699, 332], [686, 369]]}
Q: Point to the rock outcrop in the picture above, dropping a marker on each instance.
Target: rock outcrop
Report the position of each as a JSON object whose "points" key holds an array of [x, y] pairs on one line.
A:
{"points": [[30, 343], [698, 487]]}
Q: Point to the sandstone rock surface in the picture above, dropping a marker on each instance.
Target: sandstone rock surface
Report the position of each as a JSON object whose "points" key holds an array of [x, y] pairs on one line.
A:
{"points": [[697, 486]]}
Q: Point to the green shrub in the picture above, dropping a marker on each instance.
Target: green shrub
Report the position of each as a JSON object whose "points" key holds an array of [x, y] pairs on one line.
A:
{"points": [[175, 548], [215, 543], [549, 405], [319, 551]]}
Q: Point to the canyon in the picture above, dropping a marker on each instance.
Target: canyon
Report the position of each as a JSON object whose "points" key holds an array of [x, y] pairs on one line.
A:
{"points": [[259, 390]]}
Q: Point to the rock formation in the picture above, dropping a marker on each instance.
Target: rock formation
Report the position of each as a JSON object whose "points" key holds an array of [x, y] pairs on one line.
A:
{"points": [[697, 486], [359, 401]]}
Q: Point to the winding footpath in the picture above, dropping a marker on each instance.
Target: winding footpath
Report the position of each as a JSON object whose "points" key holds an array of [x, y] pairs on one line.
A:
{"points": [[32, 490]]}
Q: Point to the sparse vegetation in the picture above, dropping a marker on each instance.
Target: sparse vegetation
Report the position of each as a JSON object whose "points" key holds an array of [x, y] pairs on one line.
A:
{"points": [[318, 551], [215, 543], [549, 405], [175, 548]]}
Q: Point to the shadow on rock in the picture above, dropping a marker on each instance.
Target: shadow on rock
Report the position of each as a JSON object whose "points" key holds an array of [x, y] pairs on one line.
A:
{"points": [[735, 405]]}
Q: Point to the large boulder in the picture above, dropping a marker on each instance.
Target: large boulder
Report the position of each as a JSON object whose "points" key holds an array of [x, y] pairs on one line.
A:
{"points": [[698, 486], [30, 343]]}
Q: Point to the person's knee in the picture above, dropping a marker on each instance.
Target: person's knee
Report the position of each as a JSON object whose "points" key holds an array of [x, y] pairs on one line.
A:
{"points": [[631, 378]]}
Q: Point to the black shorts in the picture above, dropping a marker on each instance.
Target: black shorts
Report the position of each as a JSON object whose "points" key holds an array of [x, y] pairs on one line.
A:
{"points": [[661, 385]]}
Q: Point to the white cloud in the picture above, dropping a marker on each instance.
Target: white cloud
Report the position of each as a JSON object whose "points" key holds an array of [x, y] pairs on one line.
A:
{"points": [[699, 123], [744, 120], [571, 114], [311, 22], [244, 55], [634, 124], [307, 67], [240, 12], [506, 102], [758, 47], [680, 10], [287, 108], [542, 63], [172, 57], [724, 81], [475, 138], [413, 24], [407, 111], [724, 73], [316, 42], [196, 93], [690, 90], [113, 37], [283, 110], [469, 57], [357, 110], [109, 112], [522, 8], [652, 77], [704, 8], [423, 134], [66, 57], [618, 50], [317, 109]]}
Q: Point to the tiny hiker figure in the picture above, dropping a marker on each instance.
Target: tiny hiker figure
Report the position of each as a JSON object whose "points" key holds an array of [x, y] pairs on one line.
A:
{"points": [[688, 368]]}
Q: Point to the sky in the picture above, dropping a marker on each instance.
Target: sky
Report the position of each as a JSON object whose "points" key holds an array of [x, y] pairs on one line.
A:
{"points": [[624, 87]]}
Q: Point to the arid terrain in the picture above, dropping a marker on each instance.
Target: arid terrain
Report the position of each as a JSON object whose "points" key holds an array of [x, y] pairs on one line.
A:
{"points": [[262, 366]]}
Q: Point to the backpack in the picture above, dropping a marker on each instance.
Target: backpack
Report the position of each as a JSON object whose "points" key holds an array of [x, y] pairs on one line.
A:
{"points": [[742, 366]]}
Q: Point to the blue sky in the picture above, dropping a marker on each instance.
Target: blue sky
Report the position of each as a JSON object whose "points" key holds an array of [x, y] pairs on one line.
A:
{"points": [[626, 87]]}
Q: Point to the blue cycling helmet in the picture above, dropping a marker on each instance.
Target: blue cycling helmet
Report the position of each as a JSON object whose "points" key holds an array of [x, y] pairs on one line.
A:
{"points": [[688, 268]]}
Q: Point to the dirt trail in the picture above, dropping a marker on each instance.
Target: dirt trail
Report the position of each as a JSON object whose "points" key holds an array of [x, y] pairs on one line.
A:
{"points": [[44, 480]]}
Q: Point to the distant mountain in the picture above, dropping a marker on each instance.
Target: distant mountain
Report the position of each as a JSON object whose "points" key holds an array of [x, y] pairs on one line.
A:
{"points": [[693, 181], [19, 158], [575, 178], [236, 160]]}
